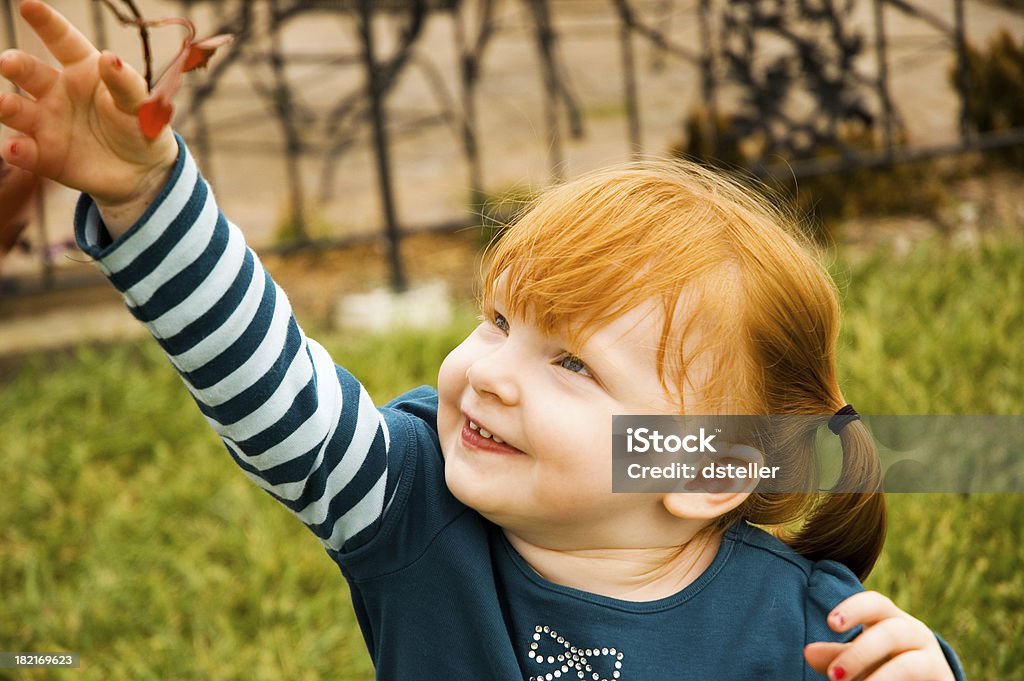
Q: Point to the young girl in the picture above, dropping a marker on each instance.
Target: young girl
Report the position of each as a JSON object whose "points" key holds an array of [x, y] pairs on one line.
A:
{"points": [[475, 524]]}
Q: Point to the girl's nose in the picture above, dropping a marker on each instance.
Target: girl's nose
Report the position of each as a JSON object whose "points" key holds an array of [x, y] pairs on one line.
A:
{"points": [[494, 376]]}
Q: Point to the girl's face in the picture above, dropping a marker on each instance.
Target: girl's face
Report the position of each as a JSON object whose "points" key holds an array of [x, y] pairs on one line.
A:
{"points": [[525, 425]]}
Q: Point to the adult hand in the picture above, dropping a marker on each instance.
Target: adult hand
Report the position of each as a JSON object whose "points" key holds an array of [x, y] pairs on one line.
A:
{"points": [[892, 647]]}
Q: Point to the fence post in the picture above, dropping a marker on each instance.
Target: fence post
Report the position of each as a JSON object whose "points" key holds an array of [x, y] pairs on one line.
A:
{"points": [[963, 82], [545, 38], [629, 88], [286, 113], [707, 73], [381, 147], [881, 56]]}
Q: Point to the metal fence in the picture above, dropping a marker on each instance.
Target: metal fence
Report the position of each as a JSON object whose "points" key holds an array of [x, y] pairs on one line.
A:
{"points": [[780, 80]]}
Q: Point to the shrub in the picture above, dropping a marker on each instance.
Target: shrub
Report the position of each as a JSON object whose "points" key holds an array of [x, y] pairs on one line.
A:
{"points": [[901, 188], [712, 142], [996, 81]]}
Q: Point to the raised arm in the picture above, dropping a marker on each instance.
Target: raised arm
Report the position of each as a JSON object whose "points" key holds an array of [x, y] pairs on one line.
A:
{"points": [[302, 428]]}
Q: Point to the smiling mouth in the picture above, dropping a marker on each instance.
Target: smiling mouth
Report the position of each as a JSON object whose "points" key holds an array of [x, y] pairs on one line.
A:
{"points": [[477, 437], [484, 432]]}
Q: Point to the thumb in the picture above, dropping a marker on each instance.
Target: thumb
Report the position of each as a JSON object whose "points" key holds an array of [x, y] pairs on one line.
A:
{"points": [[821, 653], [127, 88]]}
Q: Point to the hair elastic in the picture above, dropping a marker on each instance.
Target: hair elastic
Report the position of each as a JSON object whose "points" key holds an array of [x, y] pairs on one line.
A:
{"points": [[845, 415]]}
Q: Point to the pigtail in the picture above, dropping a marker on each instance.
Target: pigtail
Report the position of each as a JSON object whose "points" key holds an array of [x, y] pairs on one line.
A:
{"points": [[848, 523]]}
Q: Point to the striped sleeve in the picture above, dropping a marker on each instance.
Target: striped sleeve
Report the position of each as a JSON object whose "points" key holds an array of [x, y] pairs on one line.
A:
{"points": [[300, 427]]}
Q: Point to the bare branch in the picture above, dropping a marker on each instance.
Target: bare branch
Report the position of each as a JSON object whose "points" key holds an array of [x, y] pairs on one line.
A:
{"points": [[147, 50]]}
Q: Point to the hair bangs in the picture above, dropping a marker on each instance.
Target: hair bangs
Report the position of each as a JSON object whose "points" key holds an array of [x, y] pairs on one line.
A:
{"points": [[596, 248], [588, 252]]}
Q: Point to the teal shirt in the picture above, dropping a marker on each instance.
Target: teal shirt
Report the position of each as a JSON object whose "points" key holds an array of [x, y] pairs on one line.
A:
{"points": [[441, 576]]}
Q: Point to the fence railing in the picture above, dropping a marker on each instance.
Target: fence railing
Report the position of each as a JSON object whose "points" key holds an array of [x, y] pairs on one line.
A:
{"points": [[767, 77]]}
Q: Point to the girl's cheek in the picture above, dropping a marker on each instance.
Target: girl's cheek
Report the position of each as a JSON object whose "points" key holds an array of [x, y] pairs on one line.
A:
{"points": [[451, 377], [445, 378], [451, 383]]}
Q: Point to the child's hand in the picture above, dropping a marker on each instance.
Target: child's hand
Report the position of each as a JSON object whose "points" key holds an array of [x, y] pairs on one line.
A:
{"points": [[77, 124], [893, 645]]}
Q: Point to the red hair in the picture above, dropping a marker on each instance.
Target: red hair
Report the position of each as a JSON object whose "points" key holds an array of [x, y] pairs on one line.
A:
{"points": [[760, 304]]}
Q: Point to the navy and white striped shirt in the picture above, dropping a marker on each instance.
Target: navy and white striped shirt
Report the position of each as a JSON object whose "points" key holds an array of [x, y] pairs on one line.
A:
{"points": [[301, 428]]}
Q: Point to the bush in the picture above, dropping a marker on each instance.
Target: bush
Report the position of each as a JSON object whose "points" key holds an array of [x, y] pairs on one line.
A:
{"points": [[996, 81], [908, 188], [913, 188], [711, 142]]}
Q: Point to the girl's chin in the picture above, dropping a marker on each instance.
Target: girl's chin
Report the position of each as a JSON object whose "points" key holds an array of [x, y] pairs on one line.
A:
{"points": [[477, 489]]}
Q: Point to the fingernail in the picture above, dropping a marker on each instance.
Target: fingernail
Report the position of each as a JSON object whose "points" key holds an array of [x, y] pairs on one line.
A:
{"points": [[839, 618], [117, 62], [838, 673], [14, 148]]}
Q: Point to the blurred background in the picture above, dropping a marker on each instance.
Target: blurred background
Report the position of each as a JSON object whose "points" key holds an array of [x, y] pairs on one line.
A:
{"points": [[369, 150]]}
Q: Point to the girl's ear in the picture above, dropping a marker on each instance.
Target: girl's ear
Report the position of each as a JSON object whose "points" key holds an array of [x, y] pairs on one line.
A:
{"points": [[722, 483]]}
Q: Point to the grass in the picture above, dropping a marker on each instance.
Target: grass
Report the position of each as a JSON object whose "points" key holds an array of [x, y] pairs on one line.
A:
{"points": [[127, 535], [942, 332]]}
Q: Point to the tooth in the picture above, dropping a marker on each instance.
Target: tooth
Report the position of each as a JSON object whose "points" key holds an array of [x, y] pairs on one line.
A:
{"points": [[473, 426], [484, 433], [497, 439]]}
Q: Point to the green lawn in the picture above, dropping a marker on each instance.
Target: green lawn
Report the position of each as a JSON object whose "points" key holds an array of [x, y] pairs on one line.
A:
{"points": [[127, 535]]}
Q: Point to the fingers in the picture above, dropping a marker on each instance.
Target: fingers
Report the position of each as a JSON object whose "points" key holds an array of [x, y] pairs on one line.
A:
{"points": [[821, 653], [27, 72], [17, 112], [127, 88], [63, 40], [893, 645], [887, 640], [867, 608], [913, 665], [36, 77], [21, 152]]}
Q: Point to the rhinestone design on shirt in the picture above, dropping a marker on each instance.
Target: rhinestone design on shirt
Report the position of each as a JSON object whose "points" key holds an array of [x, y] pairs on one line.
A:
{"points": [[564, 660]]}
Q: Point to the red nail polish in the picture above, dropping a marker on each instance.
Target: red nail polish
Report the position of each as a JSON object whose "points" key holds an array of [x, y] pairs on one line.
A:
{"points": [[14, 148], [838, 673], [839, 618], [117, 62]]}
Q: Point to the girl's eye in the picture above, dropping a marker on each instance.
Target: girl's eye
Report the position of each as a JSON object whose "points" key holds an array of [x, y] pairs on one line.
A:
{"points": [[501, 322], [574, 364]]}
